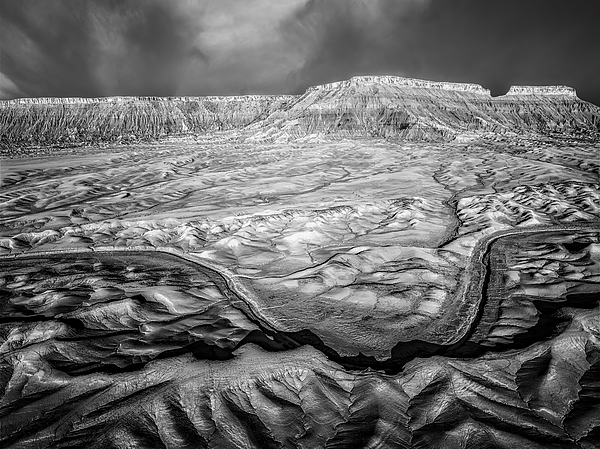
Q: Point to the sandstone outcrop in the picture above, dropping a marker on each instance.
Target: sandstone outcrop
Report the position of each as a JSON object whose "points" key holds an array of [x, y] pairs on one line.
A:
{"points": [[369, 106]]}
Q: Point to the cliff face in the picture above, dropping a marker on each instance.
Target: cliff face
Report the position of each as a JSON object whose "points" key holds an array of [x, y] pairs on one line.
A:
{"points": [[368, 106], [415, 109]]}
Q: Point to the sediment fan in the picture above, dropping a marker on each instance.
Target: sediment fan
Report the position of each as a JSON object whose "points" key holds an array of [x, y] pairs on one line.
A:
{"points": [[379, 262]]}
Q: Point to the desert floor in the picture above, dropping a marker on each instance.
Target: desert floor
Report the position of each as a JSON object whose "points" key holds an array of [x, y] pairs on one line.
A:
{"points": [[203, 254]]}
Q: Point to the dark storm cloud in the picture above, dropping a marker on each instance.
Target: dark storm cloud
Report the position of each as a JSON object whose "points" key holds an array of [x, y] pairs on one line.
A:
{"points": [[94, 47], [53, 38], [355, 37], [493, 43], [201, 47]]}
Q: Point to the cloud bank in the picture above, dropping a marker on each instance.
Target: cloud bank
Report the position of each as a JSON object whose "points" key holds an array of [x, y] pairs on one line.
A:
{"points": [[224, 47]]}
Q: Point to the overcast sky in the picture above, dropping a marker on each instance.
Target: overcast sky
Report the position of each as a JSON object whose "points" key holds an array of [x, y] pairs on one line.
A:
{"points": [[227, 47]]}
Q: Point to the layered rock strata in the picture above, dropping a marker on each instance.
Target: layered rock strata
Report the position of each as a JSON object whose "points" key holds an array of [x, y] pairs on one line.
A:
{"points": [[369, 106]]}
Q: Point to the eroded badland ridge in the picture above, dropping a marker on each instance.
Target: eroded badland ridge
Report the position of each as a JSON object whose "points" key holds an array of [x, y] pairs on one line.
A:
{"points": [[376, 263], [367, 106]]}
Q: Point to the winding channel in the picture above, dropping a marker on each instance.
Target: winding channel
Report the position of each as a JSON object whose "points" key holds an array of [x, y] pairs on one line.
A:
{"points": [[472, 294]]}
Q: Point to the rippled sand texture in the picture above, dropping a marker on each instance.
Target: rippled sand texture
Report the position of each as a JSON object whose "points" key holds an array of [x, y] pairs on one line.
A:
{"points": [[322, 287]]}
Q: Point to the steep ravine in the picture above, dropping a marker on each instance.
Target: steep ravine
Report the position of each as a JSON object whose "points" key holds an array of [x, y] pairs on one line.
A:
{"points": [[523, 395]]}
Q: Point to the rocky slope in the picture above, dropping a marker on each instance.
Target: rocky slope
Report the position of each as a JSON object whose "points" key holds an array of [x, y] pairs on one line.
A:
{"points": [[99, 356], [368, 106]]}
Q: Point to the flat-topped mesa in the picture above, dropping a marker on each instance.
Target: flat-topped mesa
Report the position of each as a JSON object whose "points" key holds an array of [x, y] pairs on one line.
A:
{"points": [[388, 107], [542, 90], [78, 100], [361, 81], [59, 100], [124, 99], [356, 81]]}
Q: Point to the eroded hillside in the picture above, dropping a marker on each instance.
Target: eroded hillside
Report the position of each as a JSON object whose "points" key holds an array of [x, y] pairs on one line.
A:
{"points": [[365, 107]]}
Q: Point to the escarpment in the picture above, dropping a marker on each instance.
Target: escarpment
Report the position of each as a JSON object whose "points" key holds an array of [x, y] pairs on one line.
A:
{"points": [[89, 120], [368, 106]]}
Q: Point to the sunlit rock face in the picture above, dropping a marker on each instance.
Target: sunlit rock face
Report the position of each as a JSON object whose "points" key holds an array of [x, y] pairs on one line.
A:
{"points": [[422, 110], [93, 120], [378, 263], [130, 366], [368, 106]]}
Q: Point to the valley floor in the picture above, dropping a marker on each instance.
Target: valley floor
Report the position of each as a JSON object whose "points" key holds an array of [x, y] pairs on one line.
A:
{"points": [[449, 292]]}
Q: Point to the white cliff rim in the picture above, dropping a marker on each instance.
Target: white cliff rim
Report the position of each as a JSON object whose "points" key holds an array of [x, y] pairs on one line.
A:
{"points": [[356, 81]]}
